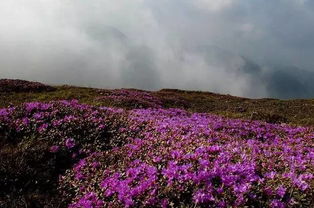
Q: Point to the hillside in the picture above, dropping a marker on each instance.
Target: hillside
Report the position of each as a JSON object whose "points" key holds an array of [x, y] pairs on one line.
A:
{"points": [[66, 146], [298, 111]]}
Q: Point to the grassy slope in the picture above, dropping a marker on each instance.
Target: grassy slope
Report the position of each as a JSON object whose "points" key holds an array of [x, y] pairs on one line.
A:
{"points": [[26, 162], [298, 112]]}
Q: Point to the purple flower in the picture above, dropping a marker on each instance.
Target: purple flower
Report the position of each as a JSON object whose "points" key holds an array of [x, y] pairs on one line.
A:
{"points": [[70, 143], [203, 197], [281, 191], [4, 112], [43, 128], [271, 175], [164, 203], [89, 200], [31, 106], [54, 148], [26, 121], [38, 116], [101, 126], [170, 154], [241, 188], [277, 204], [300, 184]]}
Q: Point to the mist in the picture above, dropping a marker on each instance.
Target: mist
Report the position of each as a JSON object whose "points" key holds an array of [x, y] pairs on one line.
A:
{"points": [[244, 48]]}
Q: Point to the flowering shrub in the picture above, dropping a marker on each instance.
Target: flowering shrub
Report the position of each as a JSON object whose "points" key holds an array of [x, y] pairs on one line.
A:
{"points": [[39, 141], [130, 98], [15, 85], [133, 99], [180, 159], [158, 157], [65, 124]]}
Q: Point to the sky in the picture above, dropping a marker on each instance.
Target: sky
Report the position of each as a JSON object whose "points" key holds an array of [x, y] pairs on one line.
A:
{"points": [[255, 48]]}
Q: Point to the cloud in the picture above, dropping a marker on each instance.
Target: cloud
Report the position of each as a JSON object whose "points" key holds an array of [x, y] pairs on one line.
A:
{"points": [[213, 5], [226, 46]]}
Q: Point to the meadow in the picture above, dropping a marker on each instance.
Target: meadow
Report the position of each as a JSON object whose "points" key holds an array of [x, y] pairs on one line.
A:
{"points": [[66, 146]]}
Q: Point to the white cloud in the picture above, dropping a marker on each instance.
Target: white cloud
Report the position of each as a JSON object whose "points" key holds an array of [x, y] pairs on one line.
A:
{"points": [[213, 5], [111, 43]]}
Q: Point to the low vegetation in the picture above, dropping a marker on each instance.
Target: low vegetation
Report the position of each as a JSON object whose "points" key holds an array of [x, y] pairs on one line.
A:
{"points": [[83, 147]]}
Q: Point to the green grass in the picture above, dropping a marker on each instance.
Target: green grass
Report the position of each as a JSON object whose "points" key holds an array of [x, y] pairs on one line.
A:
{"points": [[296, 112]]}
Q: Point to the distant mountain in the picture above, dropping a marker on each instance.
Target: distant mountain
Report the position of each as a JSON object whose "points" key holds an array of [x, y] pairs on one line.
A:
{"points": [[289, 82], [280, 81]]}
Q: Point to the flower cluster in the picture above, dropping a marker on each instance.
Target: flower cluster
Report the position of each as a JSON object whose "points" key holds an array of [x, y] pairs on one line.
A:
{"points": [[63, 124], [130, 98], [39, 141], [179, 159], [167, 157], [89, 200]]}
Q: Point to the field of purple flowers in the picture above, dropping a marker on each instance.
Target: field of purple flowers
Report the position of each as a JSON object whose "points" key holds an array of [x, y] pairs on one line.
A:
{"points": [[154, 157]]}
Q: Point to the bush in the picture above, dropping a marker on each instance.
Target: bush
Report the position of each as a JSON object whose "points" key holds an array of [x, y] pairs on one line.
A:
{"points": [[15, 85], [198, 160], [64, 153], [39, 141], [130, 99]]}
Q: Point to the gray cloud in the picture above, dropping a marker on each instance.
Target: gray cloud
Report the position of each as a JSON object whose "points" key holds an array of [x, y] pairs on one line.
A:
{"points": [[246, 48]]}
